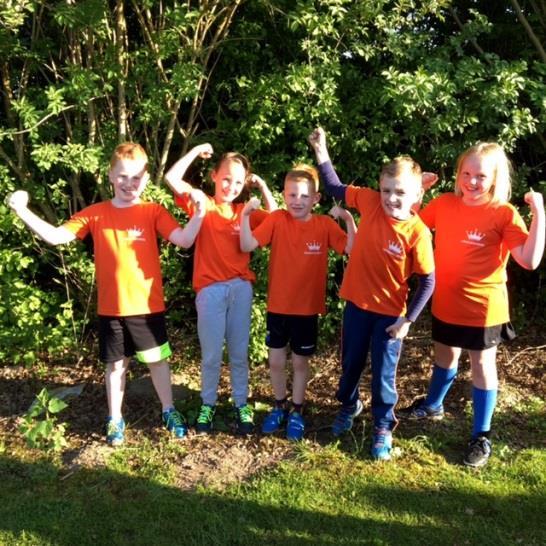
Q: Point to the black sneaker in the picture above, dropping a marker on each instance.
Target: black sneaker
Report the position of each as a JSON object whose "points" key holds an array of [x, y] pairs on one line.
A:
{"points": [[245, 419], [478, 452], [204, 419], [418, 411]]}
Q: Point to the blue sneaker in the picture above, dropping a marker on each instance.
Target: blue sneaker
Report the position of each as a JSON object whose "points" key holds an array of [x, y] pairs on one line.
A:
{"points": [[381, 444], [174, 422], [295, 426], [274, 420], [345, 417], [115, 432]]}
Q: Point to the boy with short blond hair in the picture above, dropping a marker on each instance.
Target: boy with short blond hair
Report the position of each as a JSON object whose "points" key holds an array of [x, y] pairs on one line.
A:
{"points": [[392, 245], [129, 284], [297, 285]]}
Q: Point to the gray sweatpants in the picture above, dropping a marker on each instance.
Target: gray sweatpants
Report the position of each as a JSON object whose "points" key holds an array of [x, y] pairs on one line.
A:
{"points": [[223, 312]]}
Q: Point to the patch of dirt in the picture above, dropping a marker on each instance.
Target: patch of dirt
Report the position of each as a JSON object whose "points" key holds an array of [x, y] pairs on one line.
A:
{"points": [[223, 458]]}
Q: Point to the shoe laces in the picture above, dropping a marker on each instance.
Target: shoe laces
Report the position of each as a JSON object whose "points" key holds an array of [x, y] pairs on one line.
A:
{"points": [[245, 414], [480, 444], [206, 414], [379, 436], [114, 427], [173, 419], [346, 412], [296, 419]]}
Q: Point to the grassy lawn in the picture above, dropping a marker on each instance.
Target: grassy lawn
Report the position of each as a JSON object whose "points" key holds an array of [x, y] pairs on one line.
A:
{"points": [[324, 493]]}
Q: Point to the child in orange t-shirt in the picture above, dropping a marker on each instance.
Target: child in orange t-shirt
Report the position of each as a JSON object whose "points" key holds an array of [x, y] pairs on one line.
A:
{"points": [[391, 244], [476, 230], [130, 292], [297, 285], [222, 279]]}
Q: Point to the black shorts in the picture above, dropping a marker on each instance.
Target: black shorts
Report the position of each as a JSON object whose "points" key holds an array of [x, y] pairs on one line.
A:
{"points": [[142, 336], [300, 331], [471, 338]]}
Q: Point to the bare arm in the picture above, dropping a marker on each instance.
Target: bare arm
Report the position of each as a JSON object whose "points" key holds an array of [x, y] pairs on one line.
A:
{"points": [[350, 225], [530, 253], [185, 237], [18, 202], [269, 200], [247, 242], [175, 175]]}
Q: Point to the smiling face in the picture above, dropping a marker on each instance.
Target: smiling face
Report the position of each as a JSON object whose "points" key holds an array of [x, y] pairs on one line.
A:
{"points": [[128, 178], [229, 180], [400, 187], [399, 194], [476, 179], [300, 197]]}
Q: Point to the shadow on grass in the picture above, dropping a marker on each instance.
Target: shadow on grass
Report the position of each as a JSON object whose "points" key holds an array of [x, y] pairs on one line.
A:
{"points": [[95, 507]]}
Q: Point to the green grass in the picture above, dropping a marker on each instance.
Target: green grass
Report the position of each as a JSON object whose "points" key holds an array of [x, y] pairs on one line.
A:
{"points": [[326, 494]]}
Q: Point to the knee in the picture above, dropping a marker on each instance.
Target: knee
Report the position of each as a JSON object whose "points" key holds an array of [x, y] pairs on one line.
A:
{"points": [[300, 364]]}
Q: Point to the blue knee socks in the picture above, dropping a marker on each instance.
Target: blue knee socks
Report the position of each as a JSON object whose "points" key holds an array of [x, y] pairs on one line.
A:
{"points": [[440, 383], [484, 405]]}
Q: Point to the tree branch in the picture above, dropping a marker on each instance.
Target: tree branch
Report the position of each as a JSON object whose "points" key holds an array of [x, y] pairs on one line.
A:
{"points": [[529, 30]]}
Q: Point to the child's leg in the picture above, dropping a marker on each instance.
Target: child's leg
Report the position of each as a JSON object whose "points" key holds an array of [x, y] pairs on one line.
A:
{"points": [[237, 337], [277, 372], [484, 389], [300, 365], [385, 353], [115, 375], [161, 378], [443, 374], [356, 335], [211, 304]]}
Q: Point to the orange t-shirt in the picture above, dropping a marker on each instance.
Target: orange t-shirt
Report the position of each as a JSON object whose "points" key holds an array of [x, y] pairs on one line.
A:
{"points": [[299, 261], [472, 245], [126, 255], [386, 252], [218, 255]]}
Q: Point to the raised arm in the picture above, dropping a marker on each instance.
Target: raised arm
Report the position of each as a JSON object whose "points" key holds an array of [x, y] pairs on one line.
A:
{"points": [[175, 175], [246, 240], [18, 201], [530, 253], [350, 225], [332, 184], [185, 237], [258, 182], [317, 140]]}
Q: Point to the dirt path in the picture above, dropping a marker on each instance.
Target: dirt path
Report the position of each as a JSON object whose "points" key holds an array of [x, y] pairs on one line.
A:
{"points": [[223, 457]]}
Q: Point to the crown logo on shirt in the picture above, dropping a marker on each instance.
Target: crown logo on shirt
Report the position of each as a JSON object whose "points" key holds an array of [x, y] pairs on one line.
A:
{"points": [[394, 249], [474, 237], [314, 246], [135, 234]]}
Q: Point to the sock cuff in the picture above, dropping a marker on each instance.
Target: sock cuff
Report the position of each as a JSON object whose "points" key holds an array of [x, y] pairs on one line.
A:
{"points": [[446, 373]]}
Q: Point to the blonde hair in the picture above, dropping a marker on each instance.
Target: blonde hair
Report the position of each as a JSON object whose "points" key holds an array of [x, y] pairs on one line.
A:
{"points": [[128, 150], [501, 188], [402, 165], [302, 171]]}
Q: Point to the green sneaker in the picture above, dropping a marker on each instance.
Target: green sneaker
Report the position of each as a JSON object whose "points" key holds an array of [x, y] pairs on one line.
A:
{"points": [[204, 419], [245, 419], [115, 432]]}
